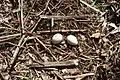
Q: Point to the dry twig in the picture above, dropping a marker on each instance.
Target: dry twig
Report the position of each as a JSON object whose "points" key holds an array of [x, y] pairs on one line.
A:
{"points": [[79, 76], [55, 64], [1, 76], [97, 10]]}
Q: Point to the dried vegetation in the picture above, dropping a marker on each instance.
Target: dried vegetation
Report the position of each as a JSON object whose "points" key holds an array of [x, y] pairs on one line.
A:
{"points": [[26, 51]]}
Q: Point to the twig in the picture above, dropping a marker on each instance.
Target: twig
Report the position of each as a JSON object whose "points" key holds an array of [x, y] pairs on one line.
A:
{"points": [[22, 23], [29, 11], [97, 10], [58, 48], [62, 31], [1, 76], [22, 77], [36, 52], [6, 28], [55, 64], [9, 36], [6, 40], [46, 48], [58, 75], [15, 44], [55, 7], [95, 46], [58, 17], [16, 53], [10, 27], [18, 48], [47, 3], [64, 17], [30, 55], [79, 76], [54, 31], [22, 40]]}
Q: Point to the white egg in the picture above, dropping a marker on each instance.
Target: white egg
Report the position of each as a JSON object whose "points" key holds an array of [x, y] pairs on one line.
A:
{"points": [[57, 38], [72, 40]]}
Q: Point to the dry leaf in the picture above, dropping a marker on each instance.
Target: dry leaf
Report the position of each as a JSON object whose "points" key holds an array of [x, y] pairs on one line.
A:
{"points": [[105, 39], [95, 35]]}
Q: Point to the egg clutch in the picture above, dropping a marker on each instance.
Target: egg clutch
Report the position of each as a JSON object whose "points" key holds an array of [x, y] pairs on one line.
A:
{"points": [[58, 38]]}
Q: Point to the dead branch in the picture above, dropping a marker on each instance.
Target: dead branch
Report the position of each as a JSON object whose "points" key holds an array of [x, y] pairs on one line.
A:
{"points": [[55, 64], [62, 31]]}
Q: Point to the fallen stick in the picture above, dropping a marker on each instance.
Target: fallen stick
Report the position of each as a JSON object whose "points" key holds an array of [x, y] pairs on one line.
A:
{"points": [[22, 22], [62, 31], [2, 41], [55, 64], [62, 17], [79, 76], [9, 36], [16, 53]]}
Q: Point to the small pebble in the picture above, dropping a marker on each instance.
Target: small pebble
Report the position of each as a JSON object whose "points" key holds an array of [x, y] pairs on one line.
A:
{"points": [[72, 40], [57, 38]]}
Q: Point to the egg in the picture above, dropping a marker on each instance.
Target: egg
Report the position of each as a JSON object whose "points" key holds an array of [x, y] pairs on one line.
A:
{"points": [[72, 40], [57, 38]]}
